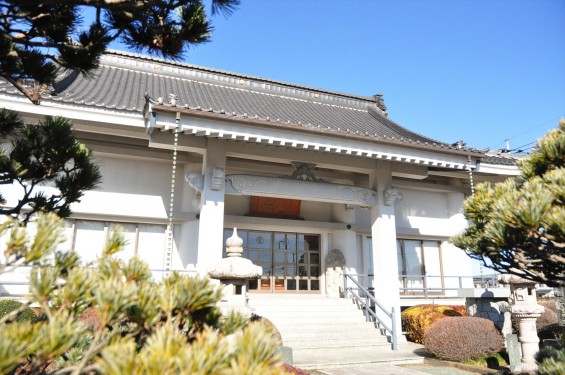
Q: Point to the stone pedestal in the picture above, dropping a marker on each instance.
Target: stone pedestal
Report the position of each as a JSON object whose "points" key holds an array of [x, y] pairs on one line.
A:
{"points": [[525, 311], [234, 273]]}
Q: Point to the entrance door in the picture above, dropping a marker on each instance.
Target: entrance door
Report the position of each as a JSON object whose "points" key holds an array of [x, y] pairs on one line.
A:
{"points": [[290, 261]]}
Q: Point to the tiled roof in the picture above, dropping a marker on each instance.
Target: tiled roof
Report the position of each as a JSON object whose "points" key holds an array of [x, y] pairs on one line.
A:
{"points": [[123, 79], [500, 160]]}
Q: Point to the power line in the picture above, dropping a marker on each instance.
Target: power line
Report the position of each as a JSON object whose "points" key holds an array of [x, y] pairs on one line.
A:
{"points": [[519, 147], [529, 130]]}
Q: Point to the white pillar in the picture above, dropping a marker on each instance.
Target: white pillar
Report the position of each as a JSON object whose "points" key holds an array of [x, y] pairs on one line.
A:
{"points": [[211, 228], [346, 239], [383, 231]]}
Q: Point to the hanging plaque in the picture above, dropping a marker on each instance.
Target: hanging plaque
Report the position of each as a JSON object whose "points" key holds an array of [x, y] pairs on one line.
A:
{"points": [[275, 207]]}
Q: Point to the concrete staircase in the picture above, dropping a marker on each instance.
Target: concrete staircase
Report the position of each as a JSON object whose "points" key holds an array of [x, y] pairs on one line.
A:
{"points": [[328, 332]]}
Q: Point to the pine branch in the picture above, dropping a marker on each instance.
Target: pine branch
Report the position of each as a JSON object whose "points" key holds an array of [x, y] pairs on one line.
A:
{"points": [[33, 96]]}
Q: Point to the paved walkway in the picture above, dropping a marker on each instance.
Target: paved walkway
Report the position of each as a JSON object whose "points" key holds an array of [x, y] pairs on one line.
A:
{"points": [[376, 369], [408, 360], [368, 370]]}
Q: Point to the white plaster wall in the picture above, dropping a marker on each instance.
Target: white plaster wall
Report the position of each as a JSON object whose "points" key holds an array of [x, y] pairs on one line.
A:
{"points": [[363, 216], [456, 263], [237, 205], [342, 213], [316, 211], [130, 188], [437, 215], [346, 242], [429, 214]]}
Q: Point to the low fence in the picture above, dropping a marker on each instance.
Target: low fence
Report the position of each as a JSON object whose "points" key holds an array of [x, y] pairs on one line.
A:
{"points": [[434, 285]]}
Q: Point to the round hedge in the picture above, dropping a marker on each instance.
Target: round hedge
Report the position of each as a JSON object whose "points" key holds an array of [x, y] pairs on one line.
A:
{"points": [[463, 338], [9, 305], [549, 315], [417, 319]]}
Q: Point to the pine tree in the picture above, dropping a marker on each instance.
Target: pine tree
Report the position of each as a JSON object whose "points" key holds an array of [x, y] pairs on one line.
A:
{"points": [[518, 226], [111, 317], [41, 37], [46, 154]]}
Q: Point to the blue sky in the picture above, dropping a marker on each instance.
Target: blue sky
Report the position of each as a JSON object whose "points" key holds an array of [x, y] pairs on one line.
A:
{"points": [[477, 70]]}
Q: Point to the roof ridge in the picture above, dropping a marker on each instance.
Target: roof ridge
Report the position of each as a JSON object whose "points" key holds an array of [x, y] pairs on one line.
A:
{"points": [[229, 87], [315, 91]]}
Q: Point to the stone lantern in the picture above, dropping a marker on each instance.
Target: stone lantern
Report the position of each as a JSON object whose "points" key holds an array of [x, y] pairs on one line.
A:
{"points": [[525, 310], [234, 273]]}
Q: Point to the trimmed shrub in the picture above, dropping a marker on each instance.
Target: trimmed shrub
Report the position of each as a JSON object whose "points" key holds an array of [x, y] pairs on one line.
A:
{"points": [[551, 331], [549, 315], [9, 305], [417, 319], [462, 338]]}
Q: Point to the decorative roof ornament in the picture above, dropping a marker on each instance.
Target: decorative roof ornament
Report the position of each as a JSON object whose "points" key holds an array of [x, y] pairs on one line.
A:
{"points": [[173, 100], [303, 171], [380, 102]]}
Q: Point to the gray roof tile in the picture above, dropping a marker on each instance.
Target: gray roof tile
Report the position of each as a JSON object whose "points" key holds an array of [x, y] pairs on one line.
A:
{"points": [[508, 160], [123, 79]]}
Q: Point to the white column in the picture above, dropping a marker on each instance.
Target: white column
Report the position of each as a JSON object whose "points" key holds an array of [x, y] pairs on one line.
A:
{"points": [[211, 228], [346, 239], [383, 231]]}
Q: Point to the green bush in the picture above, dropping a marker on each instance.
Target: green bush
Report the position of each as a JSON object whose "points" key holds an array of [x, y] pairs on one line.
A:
{"points": [[9, 305], [462, 338], [111, 317], [551, 359], [417, 319]]}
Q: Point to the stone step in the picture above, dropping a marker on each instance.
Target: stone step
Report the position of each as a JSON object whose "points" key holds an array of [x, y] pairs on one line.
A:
{"points": [[329, 335], [323, 310], [337, 358], [343, 350], [302, 310], [326, 332], [325, 326], [282, 300], [336, 342], [307, 320]]}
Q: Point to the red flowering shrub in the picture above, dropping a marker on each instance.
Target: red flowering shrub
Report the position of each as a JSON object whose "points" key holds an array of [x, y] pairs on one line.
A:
{"points": [[417, 319], [462, 338]]}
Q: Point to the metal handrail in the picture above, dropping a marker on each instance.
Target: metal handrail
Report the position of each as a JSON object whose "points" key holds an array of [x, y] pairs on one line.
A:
{"points": [[364, 298]]}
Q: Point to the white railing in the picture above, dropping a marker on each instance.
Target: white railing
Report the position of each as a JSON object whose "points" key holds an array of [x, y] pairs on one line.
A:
{"points": [[426, 285]]}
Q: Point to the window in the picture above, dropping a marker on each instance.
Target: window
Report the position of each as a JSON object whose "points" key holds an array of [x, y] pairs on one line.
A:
{"points": [[88, 237], [419, 266]]}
